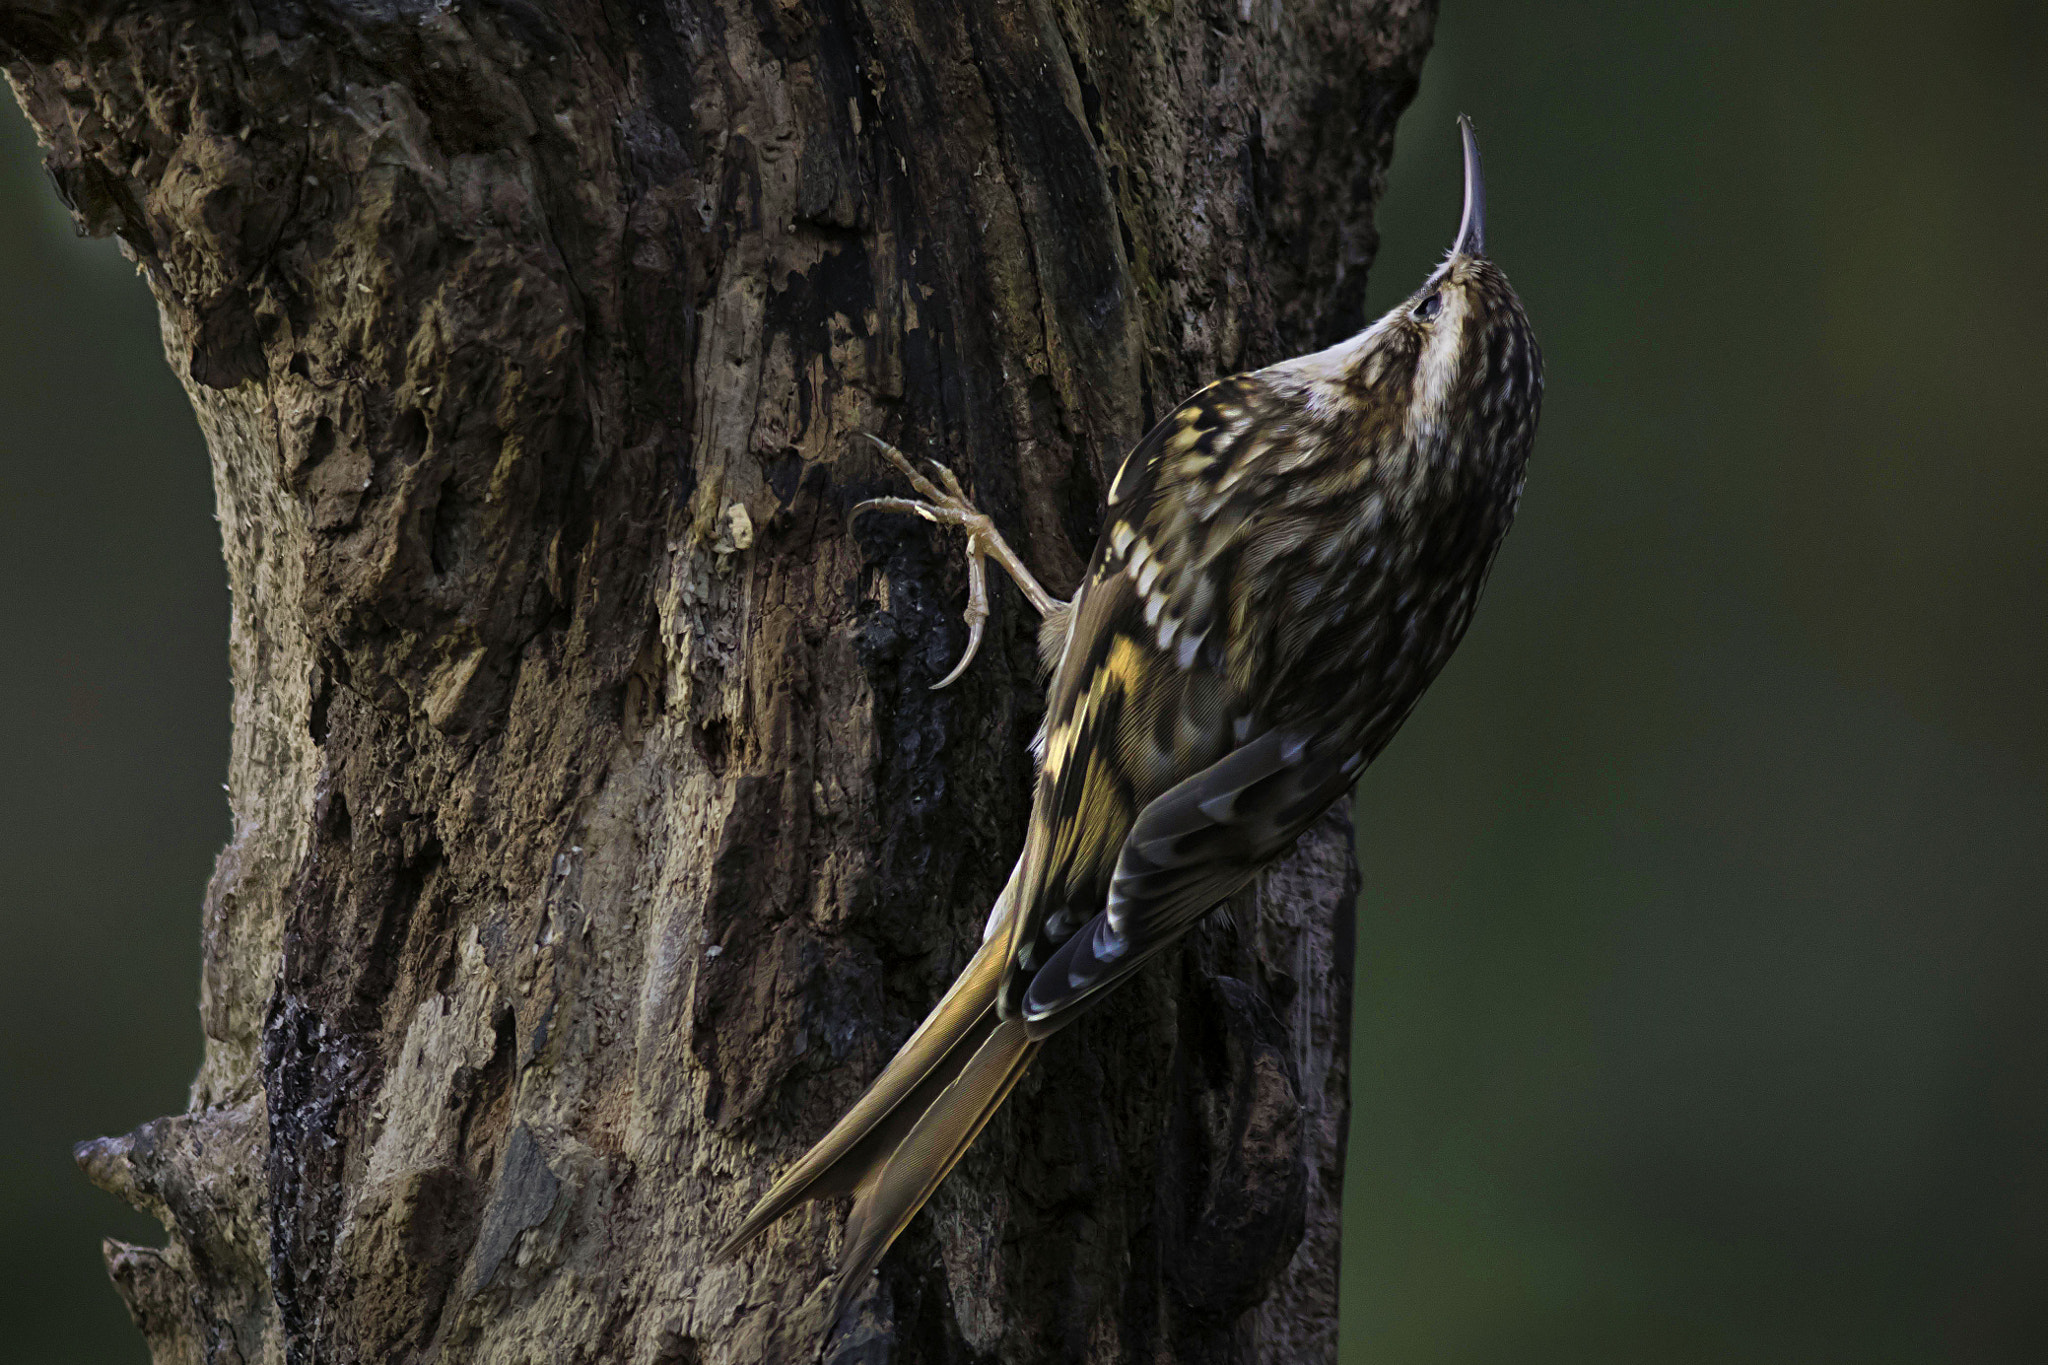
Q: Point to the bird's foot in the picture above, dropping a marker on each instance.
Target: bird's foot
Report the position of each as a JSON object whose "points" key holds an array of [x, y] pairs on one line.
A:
{"points": [[949, 506]]}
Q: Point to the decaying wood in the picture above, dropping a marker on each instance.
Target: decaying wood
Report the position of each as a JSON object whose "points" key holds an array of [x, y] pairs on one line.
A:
{"points": [[596, 836]]}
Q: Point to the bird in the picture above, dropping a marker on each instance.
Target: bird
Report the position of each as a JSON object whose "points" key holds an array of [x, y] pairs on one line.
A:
{"points": [[1285, 563]]}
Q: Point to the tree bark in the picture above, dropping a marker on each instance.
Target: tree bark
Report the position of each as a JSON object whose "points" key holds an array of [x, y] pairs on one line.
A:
{"points": [[595, 834]]}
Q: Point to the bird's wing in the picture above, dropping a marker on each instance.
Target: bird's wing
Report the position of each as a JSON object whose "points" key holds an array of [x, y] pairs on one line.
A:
{"points": [[1190, 849], [1143, 695]]}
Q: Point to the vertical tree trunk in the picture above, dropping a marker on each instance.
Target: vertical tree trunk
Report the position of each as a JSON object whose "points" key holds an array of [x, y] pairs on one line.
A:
{"points": [[596, 836]]}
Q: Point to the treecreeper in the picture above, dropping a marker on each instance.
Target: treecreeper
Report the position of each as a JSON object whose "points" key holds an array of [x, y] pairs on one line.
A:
{"points": [[1285, 563]]}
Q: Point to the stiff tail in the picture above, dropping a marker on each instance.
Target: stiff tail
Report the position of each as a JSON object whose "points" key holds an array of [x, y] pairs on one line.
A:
{"points": [[912, 1126]]}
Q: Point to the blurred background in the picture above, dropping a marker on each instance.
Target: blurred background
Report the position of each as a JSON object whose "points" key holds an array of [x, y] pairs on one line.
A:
{"points": [[113, 743], [1703, 963], [1703, 959]]}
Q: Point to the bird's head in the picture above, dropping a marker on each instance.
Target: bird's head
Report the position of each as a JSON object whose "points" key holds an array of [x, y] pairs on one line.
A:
{"points": [[1454, 369]]}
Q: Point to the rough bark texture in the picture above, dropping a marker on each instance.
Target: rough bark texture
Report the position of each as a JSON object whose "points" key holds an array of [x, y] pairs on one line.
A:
{"points": [[596, 836]]}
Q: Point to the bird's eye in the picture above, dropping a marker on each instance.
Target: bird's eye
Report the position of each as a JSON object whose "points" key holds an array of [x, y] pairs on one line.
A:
{"points": [[1429, 307]]}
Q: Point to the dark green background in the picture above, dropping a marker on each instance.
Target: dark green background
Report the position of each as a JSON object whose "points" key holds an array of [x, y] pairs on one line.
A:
{"points": [[1703, 1008]]}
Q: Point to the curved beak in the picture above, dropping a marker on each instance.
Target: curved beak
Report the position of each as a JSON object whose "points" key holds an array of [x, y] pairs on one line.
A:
{"points": [[1472, 224]]}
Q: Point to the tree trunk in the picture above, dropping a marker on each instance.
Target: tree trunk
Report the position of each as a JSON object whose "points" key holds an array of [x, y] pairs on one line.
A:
{"points": [[596, 835]]}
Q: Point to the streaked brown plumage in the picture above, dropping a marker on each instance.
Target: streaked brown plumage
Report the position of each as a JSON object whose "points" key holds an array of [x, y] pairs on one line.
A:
{"points": [[1285, 563]]}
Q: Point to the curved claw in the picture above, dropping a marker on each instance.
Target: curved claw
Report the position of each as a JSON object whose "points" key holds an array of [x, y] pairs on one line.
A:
{"points": [[951, 481], [950, 506], [973, 642], [910, 505], [976, 617], [902, 462], [860, 507]]}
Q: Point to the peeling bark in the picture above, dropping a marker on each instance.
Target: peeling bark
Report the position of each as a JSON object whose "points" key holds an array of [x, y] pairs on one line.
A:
{"points": [[596, 836]]}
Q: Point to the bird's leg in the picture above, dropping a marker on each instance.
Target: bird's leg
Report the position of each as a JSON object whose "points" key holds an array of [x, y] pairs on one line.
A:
{"points": [[949, 506]]}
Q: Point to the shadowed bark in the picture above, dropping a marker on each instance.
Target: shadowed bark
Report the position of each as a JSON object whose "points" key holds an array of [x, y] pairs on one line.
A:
{"points": [[596, 835]]}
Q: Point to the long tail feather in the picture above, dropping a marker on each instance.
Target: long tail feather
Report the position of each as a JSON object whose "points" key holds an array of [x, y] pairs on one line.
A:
{"points": [[918, 1073], [891, 1150], [895, 1188]]}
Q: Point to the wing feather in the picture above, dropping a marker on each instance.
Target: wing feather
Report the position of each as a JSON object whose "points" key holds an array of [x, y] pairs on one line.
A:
{"points": [[1191, 848], [1143, 697]]}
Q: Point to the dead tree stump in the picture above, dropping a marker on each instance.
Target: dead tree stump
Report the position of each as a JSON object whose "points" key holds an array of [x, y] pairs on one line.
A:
{"points": [[596, 835]]}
